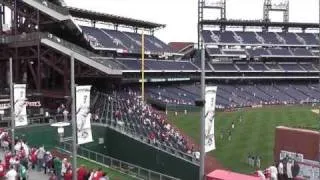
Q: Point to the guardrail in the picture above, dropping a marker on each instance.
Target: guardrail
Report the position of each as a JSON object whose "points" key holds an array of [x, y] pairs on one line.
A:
{"points": [[127, 168]]}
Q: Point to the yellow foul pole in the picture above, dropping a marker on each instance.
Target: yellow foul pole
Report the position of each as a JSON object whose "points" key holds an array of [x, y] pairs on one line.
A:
{"points": [[142, 66]]}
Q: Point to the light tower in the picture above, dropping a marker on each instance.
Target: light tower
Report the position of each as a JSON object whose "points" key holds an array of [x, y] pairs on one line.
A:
{"points": [[203, 7], [282, 6]]}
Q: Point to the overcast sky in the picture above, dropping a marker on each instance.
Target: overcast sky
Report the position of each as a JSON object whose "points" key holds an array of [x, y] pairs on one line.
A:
{"points": [[180, 16]]}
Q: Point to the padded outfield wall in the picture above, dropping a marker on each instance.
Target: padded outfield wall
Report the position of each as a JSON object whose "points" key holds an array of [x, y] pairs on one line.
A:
{"points": [[301, 141], [118, 146]]}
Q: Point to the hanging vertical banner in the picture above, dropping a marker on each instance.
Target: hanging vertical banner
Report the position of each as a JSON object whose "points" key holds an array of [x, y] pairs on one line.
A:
{"points": [[83, 114], [210, 106], [20, 105]]}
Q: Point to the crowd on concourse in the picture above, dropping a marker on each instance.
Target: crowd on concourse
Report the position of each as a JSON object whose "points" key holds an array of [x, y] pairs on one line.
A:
{"points": [[17, 165]]}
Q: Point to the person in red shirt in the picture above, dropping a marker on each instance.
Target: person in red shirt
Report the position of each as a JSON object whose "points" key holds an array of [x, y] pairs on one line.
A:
{"points": [[2, 170], [7, 158], [82, 172], [33, 157], [98, 174], [68, 175]]}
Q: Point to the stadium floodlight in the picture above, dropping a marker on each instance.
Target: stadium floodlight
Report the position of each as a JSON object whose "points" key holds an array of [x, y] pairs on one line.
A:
{"points": [[60, 128]]}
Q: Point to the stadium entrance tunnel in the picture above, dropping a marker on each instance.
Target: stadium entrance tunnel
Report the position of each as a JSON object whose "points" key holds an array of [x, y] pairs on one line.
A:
{"points": [[116, 145]]}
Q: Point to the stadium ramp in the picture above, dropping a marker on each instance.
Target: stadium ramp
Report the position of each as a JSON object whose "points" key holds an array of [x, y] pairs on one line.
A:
{"points": [[80, 54], [57, 12]]}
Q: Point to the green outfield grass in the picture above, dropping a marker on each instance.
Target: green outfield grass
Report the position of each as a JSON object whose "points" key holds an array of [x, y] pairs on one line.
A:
{"points": [[255, 134]]}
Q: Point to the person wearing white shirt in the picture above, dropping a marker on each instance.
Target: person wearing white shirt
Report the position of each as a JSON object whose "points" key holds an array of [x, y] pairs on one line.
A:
{"points": [[11, 174], [289, 170], [280, 169], [261, 175], [274, 173]]}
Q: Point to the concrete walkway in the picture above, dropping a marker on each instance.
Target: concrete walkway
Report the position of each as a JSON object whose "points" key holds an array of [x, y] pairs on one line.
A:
{"points": [[33, 175]]}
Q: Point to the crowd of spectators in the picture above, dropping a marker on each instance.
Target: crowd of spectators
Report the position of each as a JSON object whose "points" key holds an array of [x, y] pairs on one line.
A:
{"points": [[154, 123], [17, 165]]}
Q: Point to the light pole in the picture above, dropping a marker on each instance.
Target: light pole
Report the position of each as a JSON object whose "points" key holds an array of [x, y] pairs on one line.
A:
{"points": [[74, 123], [202, 136], [12, 105]]}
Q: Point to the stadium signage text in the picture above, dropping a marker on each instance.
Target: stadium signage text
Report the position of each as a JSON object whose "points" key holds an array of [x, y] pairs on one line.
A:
{"points": [[29, 104]]}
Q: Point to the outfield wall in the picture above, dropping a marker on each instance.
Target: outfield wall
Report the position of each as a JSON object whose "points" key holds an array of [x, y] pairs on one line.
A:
{"points": [[119, 146], [301, 141]]}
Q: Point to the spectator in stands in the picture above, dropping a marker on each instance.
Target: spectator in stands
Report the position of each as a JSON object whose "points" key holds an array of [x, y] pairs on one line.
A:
{"points": [[40, 157], [65, 115], [261, 175], [53, 176], [104, 176], [57, 164], [273, 172], [82, 172], [89, 174], [98, 174], [23, 172], [280, 170], [47, 162], [2, 169], [11, 174], [289, 169], [68, 174], [64, 167]]}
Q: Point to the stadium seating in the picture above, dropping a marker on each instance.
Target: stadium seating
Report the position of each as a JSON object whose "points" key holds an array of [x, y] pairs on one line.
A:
{"points": [[254, 38], [140, 119], [124, 42], [223, 67], [230, 96], [248, 37], [291, 67], [135, 64]]}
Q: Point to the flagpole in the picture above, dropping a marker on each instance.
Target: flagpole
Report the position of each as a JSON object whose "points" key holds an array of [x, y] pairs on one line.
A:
{"points": [[74, 123], [142, 65], [12, 105]]}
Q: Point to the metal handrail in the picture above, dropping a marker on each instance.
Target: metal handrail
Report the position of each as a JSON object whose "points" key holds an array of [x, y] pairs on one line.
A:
{"points": [[122, 166], [57, 8]]}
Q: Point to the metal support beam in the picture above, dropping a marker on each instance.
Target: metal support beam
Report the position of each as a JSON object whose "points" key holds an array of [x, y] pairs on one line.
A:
{"points": [[12, 106], [74, 123], [34, 76]]}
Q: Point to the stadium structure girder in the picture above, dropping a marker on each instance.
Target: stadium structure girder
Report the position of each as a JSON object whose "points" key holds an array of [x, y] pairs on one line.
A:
{"points": [[41, 59], [116, 20]]}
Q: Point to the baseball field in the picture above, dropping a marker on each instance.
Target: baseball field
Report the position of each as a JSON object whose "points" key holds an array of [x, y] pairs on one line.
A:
{"points": [[254, 132]]}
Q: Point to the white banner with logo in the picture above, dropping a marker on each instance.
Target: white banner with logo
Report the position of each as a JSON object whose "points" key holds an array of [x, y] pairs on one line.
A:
{"points": [[20, 106], [83, 114], [210, 106]]}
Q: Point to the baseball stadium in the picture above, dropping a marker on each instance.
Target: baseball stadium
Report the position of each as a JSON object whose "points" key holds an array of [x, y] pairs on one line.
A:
{"points": [[86, 94]]}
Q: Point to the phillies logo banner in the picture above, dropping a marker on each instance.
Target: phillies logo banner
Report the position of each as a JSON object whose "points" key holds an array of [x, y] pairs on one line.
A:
{"points": [[83, 115], [210, 105], [20, 105]]}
